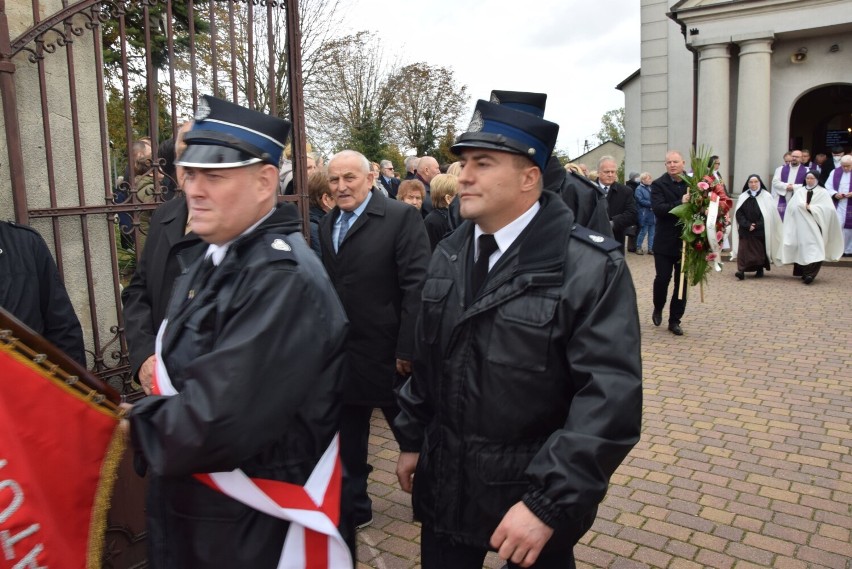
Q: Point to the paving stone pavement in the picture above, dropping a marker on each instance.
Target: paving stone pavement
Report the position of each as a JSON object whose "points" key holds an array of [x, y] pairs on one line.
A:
{"points": [[744, 461]]}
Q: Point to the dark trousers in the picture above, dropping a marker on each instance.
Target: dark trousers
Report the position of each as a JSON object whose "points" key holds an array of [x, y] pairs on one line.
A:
{"points": [[439, 552], [354, 436], [665, 266]]}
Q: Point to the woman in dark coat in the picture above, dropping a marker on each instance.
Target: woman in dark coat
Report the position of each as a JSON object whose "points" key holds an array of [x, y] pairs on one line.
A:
{"points": [[320, 203], [444, 187], [757, 239]]}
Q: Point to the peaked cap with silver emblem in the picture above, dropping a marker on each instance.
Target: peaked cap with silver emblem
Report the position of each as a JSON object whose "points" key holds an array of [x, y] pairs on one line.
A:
{"points": [[532, 103], [225, 135], [500, 127]]}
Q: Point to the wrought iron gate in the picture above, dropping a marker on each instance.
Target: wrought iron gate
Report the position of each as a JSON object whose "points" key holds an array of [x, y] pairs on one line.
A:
{"points": [[81, 82]]}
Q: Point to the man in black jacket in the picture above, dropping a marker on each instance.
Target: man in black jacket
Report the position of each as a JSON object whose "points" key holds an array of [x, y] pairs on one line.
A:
{"points": [[146, 298], [583, 197], [526, 392], [667, 192], [376, 252], [619, 198], [249, 360], [388, 178], [31, 290]]}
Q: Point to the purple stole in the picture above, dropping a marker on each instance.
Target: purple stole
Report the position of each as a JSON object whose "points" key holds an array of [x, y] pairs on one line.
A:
{"points": [[785, 177], [800, 174], [836, 176]]}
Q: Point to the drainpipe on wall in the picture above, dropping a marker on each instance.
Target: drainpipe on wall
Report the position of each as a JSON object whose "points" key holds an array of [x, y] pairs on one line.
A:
{"points": [[673, 16]]}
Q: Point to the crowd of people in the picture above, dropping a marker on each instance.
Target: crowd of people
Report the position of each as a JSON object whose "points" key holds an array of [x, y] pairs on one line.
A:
{"points": [[485, 307], [416, 296]]}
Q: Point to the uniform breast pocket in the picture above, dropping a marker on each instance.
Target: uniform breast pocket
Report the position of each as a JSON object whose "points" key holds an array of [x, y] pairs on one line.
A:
{"points": [[201, 329], [434, 299], [522, 330]]}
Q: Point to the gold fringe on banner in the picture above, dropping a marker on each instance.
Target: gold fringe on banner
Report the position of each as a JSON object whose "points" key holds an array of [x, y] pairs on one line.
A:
{"points": [[103, 495]]}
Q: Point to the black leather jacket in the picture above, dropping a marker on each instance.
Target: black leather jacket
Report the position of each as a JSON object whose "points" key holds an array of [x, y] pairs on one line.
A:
{"points": [[30, 289], [532, 392], [584, 198], [256, 355]]}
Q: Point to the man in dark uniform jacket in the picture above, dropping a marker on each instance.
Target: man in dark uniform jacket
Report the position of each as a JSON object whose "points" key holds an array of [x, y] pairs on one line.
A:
{"points": [[31, 290], [667, 192], [375, 251], [526, 393], [252, 345], [145, 301]]}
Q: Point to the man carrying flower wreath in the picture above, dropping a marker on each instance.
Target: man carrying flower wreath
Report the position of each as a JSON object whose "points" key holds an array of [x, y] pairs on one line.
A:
{"points": [[667, 192]]}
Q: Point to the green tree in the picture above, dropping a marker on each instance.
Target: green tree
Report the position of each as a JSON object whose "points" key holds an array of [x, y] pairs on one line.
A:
{"points": [[612, 126], [318, 20], [135, 24], [427, 102], [443, 154], [351, 95], [365, 137], [138, 119]]}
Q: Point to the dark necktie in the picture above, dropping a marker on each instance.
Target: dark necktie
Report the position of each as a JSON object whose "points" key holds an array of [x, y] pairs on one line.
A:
{"points": [[344, 227], [487, 246], [201, 276], [606, 190]]}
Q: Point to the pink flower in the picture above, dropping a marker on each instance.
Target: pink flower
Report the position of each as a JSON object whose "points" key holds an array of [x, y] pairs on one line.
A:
{"points": [[698, 228], [703, 186], [710, 257], [720, 235]]}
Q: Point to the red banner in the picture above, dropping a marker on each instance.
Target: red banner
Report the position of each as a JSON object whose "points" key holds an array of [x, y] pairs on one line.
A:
{"points": [[59, 451]]}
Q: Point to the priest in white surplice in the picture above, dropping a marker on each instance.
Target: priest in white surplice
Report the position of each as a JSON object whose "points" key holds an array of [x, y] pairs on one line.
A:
{"points": [[811, 230], [787, 179], [838, 185]]}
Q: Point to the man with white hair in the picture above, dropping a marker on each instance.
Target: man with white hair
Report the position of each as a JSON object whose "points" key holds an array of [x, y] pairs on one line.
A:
{"points": [[427, 169], [621, 206], [376, 251], [838, 185], [411, 167], [388, 179]]}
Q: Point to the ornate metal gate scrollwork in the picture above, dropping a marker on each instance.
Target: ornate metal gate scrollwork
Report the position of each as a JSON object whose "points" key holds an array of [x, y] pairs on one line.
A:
{"points": [[81, 82]]}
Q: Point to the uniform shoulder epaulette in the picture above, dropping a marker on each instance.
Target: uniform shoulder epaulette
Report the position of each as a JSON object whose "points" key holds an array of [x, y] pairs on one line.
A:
{"points": [[279, 248], [590, 237], [21, 226]]}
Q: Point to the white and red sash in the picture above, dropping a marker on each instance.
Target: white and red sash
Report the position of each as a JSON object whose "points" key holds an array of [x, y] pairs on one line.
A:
{"points": [[313, 510]]}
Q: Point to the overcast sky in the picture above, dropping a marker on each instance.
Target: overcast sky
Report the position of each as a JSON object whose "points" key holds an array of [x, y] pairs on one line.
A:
{"points": [[576, 52]]}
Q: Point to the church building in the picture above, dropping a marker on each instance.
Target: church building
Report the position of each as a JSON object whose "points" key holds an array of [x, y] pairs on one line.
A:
{"points": [[749, 79]]}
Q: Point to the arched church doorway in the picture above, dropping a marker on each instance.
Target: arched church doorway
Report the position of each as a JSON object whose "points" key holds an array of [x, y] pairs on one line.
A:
{"points": [[822, 119]]}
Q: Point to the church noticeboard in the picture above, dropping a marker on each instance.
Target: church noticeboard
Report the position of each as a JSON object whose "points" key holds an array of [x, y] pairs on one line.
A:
{"points": [[837, 138]]}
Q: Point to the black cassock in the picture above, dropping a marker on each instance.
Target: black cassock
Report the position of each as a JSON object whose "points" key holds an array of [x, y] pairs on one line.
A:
{"points": [[751, 253]]}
